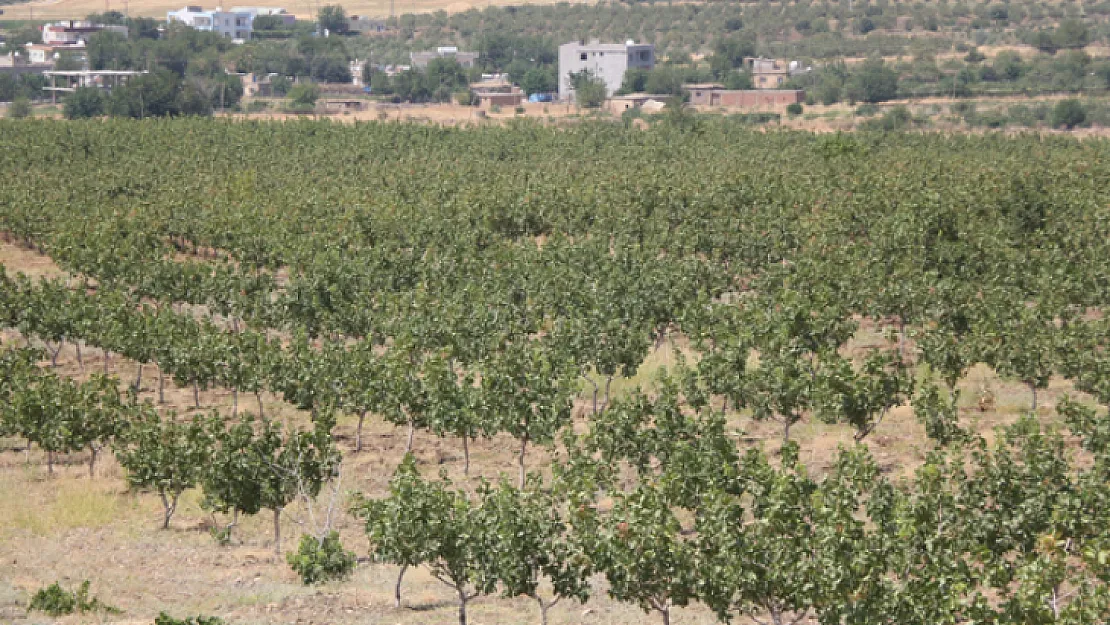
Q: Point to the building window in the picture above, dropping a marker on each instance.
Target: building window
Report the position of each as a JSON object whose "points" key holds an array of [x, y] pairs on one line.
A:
{"points": [[582, 57]]}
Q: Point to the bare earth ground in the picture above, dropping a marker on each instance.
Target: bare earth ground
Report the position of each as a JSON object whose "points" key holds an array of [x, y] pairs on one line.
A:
{"points": [[303, 9], [838, 117], [69, 527]]}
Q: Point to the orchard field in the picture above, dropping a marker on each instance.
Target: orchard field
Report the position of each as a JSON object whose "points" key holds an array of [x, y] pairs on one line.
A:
{"points": [[309, 372]]}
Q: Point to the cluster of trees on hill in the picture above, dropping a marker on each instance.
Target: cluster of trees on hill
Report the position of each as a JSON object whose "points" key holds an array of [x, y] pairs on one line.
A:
{"points": [[811, 30]]}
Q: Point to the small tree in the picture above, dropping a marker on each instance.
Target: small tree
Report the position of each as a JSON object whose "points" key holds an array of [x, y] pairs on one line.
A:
{"points": [[255, 467], [589, 90], [321, 560], [19, 108], [527, 390], [423, 522], [642, 553], [1068, 113], [62, 416], [529, 541], [304, 95], [332, 18], [164, 455]]}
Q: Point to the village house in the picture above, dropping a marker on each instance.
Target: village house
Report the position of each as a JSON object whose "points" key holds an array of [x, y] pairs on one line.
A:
{"points": [[606, 61]]}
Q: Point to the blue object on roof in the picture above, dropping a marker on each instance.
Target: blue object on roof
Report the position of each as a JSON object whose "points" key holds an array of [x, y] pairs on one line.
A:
{"points": [[541, 97]]}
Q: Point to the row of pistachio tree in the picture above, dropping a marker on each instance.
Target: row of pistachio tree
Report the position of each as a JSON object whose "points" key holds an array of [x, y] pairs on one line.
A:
{"points": [[781, 356], [1008, 532], [243, 467]]}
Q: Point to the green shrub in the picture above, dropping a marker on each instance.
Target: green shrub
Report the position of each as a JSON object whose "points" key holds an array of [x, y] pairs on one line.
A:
{"points": [[1068, 113], [319, 561], [19, 108], [304, 94], [495, 108], [466, 98], [896, 118], [519, 110], [794, 109], [84, 102], [867, 110], [166, 619], [57, 601]]}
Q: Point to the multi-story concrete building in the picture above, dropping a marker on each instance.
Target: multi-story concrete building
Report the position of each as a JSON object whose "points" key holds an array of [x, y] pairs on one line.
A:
{"points": [[607, 61], [233, 25], [767, 73]]}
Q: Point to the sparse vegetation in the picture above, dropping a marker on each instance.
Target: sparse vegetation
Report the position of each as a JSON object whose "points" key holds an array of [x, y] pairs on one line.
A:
{"points": [[54, 600], [321, 560]]}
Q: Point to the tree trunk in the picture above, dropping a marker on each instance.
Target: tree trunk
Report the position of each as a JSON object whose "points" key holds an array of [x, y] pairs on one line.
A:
{"points": [[80, 361], [169, 505], [901, 340], [786, 430], [523, 448], [54, 353], [412, 432], [258, 396], [161, 386], [544, 607], [92, 461], [776, 616], [234, 401], [358, 431], [196, 394], [49, 462], [277, 531], [107, 357], [608, 383], [397, 587], [1033, 388], [462, 606], [596, 390], [139, 378], [466, 455], [666, 612]]}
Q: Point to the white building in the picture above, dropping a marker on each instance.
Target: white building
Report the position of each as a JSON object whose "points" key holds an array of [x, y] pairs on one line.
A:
{"points": [[42, 53], [607, 61], [233, 25], [72, 32]]}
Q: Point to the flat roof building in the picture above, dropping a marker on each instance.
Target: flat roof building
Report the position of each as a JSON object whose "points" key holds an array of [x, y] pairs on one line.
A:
{"points": [[233, 25], [466, 59], [73, 32], [607, 61]]}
